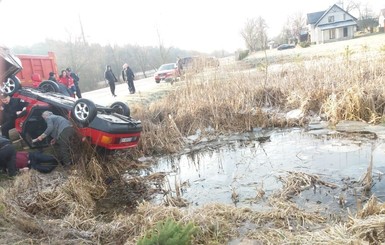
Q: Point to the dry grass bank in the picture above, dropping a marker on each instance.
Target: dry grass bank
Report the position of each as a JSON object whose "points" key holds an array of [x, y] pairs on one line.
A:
{"points": [[348, 85], [62, 207]]}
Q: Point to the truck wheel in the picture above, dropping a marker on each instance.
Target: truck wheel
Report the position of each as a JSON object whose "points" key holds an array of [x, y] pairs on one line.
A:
{"points": [[11, 85], [121, 108], [49, 86], [84, 111]]}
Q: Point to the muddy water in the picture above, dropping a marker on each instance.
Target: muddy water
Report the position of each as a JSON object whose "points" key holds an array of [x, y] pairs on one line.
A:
{"points": [[246, 163]]}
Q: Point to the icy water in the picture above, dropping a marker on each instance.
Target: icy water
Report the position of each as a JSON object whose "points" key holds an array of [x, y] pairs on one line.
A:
{"points": [[254, 161]]}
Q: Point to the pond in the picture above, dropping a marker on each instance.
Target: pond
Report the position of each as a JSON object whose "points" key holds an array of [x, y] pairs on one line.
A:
{"points": [[236, 170]]}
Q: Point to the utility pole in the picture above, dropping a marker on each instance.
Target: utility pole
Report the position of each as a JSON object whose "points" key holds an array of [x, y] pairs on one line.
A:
{"points": [[81, 30]]}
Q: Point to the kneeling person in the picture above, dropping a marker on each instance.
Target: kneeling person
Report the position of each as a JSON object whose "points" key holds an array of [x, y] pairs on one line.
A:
{"points": [[61, 131]]}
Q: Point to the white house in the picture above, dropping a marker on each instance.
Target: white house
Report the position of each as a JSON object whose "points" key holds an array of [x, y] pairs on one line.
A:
{"points": [[334, 24], [381, 19]]}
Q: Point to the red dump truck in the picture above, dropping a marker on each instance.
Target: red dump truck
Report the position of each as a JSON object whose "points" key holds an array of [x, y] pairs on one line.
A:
{"points": [[36, 68]]}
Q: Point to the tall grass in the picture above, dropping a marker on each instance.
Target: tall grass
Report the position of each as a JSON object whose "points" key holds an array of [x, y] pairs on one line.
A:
{"points": [[346, 86]]}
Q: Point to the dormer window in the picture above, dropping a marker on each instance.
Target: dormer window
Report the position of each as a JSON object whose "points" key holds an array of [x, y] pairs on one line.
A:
{"points": [[331, 19]]}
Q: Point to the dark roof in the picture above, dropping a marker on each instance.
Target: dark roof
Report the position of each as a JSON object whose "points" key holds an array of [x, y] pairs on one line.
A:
{"points": [[312, 18]]}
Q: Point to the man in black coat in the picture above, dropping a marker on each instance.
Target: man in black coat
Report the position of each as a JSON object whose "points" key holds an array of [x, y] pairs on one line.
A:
{"points": [[7, 156], [76, 79], [110, 77], [11, 108], [128, 76]]}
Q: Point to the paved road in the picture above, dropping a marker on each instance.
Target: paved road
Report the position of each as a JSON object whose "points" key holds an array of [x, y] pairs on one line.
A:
{"points": [[145, 91]]}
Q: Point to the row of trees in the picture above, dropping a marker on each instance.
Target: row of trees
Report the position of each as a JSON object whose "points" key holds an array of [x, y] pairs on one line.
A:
{"points": [[255, 36], [90, 60]]}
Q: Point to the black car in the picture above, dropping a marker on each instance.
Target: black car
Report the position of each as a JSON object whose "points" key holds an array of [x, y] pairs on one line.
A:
{"points": [[285, 46]]}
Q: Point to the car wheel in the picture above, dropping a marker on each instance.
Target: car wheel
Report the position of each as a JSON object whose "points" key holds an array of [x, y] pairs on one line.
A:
{"points": [[11, 85], [49, 86], [157, 81], [84, 111], [121, 108]]}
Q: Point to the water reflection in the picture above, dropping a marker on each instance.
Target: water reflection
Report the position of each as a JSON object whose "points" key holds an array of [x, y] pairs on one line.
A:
{"points": [[213, 174]]}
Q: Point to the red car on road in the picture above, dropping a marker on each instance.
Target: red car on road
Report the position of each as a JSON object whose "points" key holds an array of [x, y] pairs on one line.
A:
{"points": [[167, 72]]}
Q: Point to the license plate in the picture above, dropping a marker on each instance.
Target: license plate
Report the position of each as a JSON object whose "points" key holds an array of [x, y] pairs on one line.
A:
{"points": [[125, 140]]}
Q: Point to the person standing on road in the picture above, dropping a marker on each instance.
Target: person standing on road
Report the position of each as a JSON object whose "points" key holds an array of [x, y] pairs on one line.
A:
{"points": [[68, 82], [128, 76], [52, 76], [76, 79], [111, 79], [7, 156], [11, 108], [179, 66], [62, 132]]}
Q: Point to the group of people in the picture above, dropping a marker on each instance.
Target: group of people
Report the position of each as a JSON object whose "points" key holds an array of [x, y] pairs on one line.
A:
{"points": [[127, 75], [70, 80], [58, 128]]}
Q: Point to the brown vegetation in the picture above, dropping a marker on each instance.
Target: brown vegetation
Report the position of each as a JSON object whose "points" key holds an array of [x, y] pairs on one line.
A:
{"points": [[62, 207]]}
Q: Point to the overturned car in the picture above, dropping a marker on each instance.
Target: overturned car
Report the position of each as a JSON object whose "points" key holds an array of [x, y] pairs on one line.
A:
{"points": [[111, 128]]}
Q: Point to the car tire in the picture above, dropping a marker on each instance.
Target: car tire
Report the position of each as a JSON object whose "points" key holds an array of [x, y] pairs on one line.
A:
{"points": [[157, 81], [84, 111], [121, 108], [11, 85], [49, 86]]}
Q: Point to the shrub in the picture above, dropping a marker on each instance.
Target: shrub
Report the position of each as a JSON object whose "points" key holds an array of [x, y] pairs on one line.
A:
{"points": [[169, 233], [242, 54], [304, 44]]}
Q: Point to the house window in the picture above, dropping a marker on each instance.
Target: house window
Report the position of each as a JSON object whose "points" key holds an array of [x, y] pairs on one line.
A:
{"points": [[331, 19], [332, 33], [345, 31]]}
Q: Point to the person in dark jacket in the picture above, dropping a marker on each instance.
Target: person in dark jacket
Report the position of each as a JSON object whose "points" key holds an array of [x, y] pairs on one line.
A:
{"points": [[35, 160], [52, 76], [76, 79], [111, 79], [62, 132], [7, 156], [11, 108], [128, 76]]}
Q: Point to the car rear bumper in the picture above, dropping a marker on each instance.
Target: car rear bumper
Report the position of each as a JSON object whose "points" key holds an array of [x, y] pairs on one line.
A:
{"points": [[110, 141], [113, 132]]}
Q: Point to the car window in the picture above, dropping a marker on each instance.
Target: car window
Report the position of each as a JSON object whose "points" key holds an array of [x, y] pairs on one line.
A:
{"points": [[167, 67]]}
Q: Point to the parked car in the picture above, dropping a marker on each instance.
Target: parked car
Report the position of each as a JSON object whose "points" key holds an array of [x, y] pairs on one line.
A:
{"points": [[110, 128], [285, 46], [167, 72]]}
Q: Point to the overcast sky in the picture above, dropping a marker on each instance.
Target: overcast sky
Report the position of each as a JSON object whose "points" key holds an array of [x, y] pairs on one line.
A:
{"points": [[203, 25]]}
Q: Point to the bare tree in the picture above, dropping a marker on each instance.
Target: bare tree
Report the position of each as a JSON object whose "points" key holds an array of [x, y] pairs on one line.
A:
{"points": [[350, 5], [141, 55], [366, 17], [254, 34], [296, 24], [163, 51]]}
